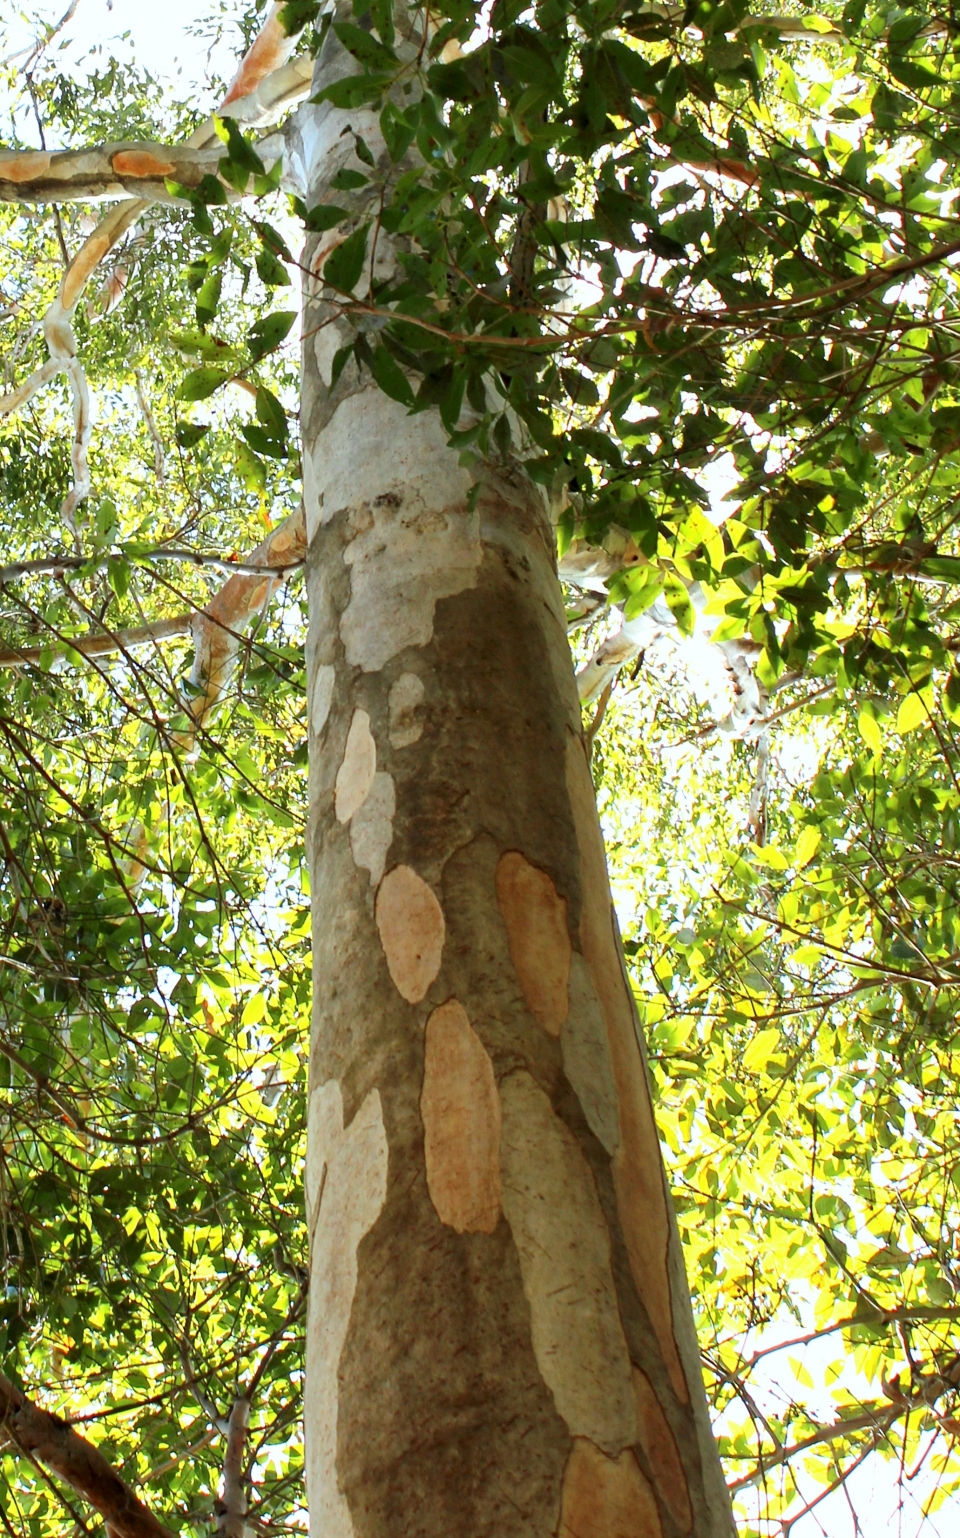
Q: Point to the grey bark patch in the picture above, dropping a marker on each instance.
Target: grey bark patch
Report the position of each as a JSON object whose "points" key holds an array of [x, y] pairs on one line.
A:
{"points": [[371, 828], [446, 1426], [586, 1057], [551, 1203]]}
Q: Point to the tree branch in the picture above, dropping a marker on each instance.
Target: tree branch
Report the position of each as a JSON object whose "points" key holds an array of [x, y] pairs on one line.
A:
{"points": [[46, 1437], [231, 1508], [100, 645]]}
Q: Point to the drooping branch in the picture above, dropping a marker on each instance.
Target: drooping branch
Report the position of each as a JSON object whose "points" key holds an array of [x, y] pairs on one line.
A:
{"points": [[69, 1456], [270, 49], [269, 53], [588, 568], [218, 628]]}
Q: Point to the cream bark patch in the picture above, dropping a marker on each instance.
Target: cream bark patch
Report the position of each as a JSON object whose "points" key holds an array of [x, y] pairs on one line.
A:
{"points": [[356, 772], [406, 724], [321, 697], [551, 1203], [637, 1165], [371, 828], [586, 1057], [412, 931], [536, 919], [461, 1123], [346, 1190], [662, 1454], [409, 558], [606, 1497]]}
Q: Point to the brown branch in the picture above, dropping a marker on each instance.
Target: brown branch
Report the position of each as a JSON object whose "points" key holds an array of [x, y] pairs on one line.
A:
{"points": [[879, 1421], [38, 1434]]}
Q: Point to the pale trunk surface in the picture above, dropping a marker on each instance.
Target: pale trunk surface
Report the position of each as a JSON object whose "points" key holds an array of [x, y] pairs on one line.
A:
{"points": [[500, 1339]]}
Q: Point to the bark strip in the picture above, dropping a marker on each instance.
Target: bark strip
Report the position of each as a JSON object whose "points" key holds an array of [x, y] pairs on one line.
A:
{"points": [[74, 1460]]}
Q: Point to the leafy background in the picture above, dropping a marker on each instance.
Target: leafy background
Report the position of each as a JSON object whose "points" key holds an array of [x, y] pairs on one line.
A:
{"points": [[660, 253]]}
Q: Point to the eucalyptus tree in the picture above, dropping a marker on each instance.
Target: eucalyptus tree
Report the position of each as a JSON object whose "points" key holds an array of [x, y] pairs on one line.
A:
{"points": [[559, 260]]}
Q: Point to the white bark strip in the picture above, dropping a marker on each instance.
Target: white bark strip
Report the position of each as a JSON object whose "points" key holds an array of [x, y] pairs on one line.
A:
{"points": [[346, 1189], [356, 772]]}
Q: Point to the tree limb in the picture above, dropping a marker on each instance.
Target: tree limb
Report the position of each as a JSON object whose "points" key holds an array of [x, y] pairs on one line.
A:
{"points": [[231, 1508], [100, 645], [46, 1437]]}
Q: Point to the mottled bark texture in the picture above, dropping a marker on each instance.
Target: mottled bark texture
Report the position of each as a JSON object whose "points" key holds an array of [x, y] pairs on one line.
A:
{"points": [[500, 1338]]}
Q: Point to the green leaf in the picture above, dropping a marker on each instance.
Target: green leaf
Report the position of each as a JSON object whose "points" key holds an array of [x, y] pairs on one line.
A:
{"points": [[118, 575], [252, 470], [760, 1050], [364, 47], [390, 377], [348, 180], [208, 297], [297, 14], [354, 91], [188, 434], [914, 711], [324, 216], [201, 383], [343, 267], [272, 272], [262, 442], [869, 728], [270, 331], [807, 845], [678, 599], [271, 414], [272, 239]]}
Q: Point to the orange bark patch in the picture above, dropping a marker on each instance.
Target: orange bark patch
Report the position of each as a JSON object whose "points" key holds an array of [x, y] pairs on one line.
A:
{"points": [[410, 921], [606, 1497], [355, 775], [269, 49], [86, 262], [461, 1121], [637, 1166], [660, 1447], [536, 918], [25, 167], [141, 163]]}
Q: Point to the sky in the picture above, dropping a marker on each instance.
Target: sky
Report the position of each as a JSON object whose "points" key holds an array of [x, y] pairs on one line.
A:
{"points": [[158, 36]]}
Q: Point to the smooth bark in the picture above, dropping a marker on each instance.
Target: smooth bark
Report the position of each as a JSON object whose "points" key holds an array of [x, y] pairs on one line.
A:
{"points": [[500, 1337]]}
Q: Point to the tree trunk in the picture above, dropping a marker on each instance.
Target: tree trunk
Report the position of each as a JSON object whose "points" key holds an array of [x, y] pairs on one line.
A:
{"points": [[500, 1338]]}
